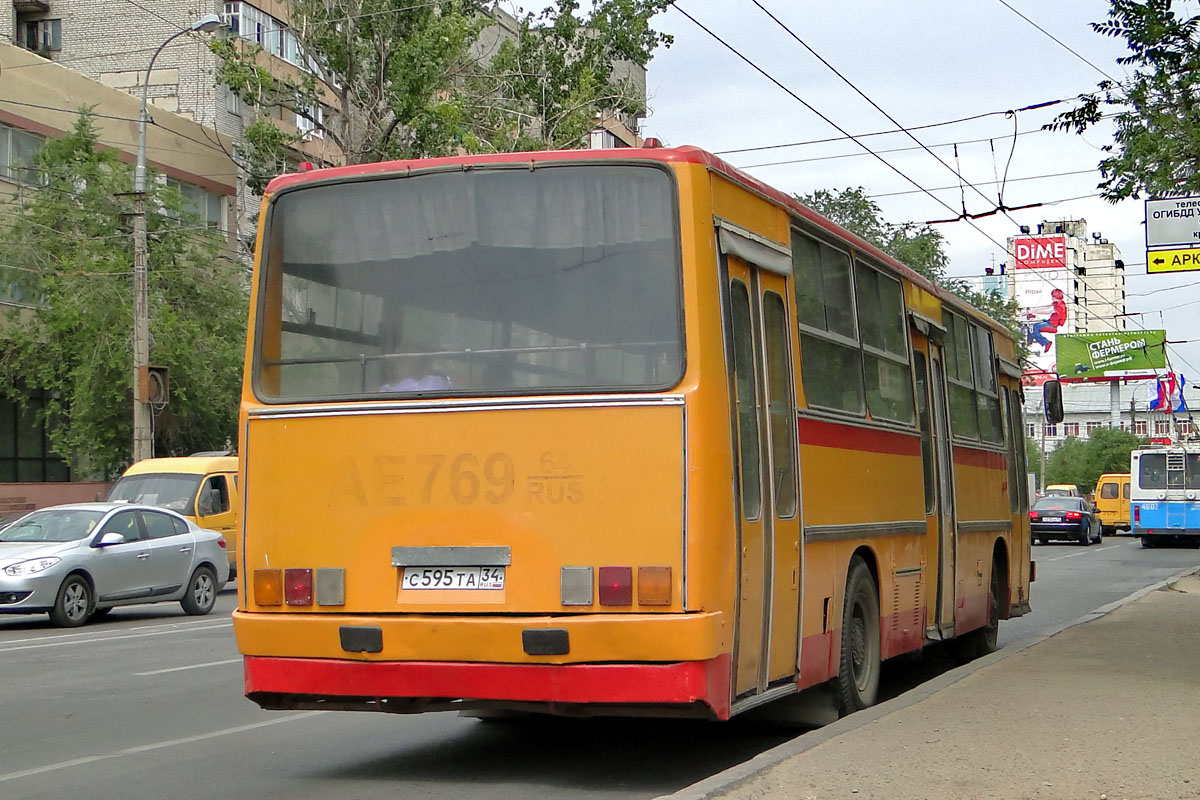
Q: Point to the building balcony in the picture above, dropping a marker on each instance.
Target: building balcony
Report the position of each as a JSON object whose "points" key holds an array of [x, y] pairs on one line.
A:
{"points": [[31, 6]]}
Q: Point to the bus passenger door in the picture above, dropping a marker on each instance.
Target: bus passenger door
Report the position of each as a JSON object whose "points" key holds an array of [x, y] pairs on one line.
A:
{"points": [[759, 342], [943, 462]]}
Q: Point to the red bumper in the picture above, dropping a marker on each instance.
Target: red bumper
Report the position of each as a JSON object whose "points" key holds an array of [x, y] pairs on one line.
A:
{"points": [[684, 683]]}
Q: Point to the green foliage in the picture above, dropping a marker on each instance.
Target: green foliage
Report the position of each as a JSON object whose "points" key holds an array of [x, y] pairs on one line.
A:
{"points": [[918, 247], [405, 80], [1083, 461], [1033, 455], [1156, 110], [68, 250]]}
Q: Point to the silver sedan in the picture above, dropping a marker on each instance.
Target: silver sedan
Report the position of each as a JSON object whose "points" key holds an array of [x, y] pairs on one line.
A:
{"points": [[79, 561]]}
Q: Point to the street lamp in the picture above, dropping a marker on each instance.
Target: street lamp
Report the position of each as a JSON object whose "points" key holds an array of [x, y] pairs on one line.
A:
{"points": [[143, 444]]}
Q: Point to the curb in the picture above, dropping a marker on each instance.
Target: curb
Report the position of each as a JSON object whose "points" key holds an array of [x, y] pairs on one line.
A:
{"points": [[740, 773]]}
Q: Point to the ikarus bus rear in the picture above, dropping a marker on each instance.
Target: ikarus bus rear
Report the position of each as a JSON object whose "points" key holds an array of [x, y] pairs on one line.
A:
{"points": [[608, 432]]}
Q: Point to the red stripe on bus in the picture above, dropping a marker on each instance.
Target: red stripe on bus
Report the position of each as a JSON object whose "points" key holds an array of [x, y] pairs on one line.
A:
{"points": [[684, 682], [856, 437], [972, 457]]}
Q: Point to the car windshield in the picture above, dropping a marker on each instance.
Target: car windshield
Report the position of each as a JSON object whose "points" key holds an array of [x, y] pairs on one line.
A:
{"points": [[174, 491], [57, 525], [1057, 504]]}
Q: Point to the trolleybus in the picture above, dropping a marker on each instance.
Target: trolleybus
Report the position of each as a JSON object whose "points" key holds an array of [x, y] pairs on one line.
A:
{"points": [[608, 432], [1163, 504]]}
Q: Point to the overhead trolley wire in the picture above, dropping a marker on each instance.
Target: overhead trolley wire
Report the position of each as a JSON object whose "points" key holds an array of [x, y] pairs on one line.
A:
{"points": [[855, 139]]}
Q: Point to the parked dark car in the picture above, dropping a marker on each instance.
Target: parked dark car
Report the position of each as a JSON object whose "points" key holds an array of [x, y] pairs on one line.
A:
{"points": [[1069, 519]]}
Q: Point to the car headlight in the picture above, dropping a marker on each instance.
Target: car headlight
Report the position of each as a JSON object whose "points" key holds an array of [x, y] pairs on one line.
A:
{"points": [[31, 567]]}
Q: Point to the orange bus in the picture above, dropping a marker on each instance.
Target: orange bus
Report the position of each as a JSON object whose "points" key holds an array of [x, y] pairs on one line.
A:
{"points": [[608, 432]]}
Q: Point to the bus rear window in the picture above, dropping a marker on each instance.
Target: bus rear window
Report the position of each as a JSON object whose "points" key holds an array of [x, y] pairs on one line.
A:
{"points": [[474, 282], [1152, 471]]}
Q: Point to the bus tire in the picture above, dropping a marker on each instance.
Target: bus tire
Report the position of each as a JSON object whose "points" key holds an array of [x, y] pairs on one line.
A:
{"points": [[857, 681]]}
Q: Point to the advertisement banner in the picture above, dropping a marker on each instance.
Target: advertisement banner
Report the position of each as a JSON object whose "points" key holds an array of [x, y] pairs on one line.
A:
{"points": [[1111, 354], [1044, 292]]}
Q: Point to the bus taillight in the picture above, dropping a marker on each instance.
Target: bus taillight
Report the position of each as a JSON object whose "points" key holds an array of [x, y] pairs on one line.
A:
{"points": [[268, 587], [1137, 513], [298, 587], [616, 586]]}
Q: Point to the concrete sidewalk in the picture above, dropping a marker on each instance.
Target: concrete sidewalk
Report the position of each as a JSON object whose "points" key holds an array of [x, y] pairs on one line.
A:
{"points": [[1104, 711]]}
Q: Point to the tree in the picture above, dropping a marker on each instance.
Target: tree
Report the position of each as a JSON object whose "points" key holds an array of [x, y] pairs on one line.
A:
{"points": [[1083, 461], [68, 251], [918, 247], [1156, 146], [405, 80]]}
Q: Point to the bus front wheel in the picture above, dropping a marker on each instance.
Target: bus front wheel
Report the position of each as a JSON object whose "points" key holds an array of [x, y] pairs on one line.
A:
{"points": [[857, 682]]}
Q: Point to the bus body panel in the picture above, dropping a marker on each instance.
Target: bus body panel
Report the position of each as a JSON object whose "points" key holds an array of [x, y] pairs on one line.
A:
{"points": [[596, 485]]}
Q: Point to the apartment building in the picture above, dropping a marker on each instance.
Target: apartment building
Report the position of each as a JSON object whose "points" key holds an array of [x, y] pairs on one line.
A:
{"points": [[81, 34], [41, 99]]}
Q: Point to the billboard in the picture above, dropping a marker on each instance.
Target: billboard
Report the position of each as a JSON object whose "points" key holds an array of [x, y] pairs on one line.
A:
{"points": [[1111, 354], [1044, 292]]}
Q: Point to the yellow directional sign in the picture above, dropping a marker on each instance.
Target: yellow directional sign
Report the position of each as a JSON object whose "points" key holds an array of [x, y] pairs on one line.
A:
{"points": [[1186, 259]]}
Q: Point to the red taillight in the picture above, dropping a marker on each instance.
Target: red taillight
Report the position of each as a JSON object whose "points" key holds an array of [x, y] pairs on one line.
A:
{"points": [[616, 586], [1137, 513], [1074, 515], [1033, 515], [298, 587], [221, 542]]}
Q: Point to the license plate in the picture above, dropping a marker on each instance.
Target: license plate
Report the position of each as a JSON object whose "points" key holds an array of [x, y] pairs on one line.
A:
{"points": [[469, 578], [1052, 519]]}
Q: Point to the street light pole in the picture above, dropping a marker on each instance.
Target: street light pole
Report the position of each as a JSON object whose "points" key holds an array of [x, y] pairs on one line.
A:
{"points": [[143, 441]]}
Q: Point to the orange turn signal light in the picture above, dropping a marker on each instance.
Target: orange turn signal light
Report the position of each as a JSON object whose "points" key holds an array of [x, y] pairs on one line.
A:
{"points": [[654, 586], [268, 587]]}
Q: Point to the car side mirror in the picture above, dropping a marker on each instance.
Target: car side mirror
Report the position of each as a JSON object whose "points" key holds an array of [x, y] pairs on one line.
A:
{"points": [[110, 538], [1052, 400]]}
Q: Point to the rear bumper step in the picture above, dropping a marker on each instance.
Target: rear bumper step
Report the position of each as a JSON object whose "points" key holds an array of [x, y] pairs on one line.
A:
{"points": [[692, 687]]}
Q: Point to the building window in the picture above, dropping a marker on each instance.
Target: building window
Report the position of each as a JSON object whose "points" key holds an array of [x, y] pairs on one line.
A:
{"points": [[1162, 427], [1185, 427], [208, 206], [41, 36], [18, 149], [1091, 426], [1070, 429], [1030, 430], [313, 124], [25, 454], [255, 25], [1051, 429], [1140, 427]]}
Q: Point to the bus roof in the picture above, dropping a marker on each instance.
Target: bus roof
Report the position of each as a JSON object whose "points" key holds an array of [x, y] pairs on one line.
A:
{"points": [[683, 154]]}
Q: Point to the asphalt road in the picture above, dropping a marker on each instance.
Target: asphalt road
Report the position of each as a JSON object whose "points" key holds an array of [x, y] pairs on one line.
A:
{"points": [[147, 704]]}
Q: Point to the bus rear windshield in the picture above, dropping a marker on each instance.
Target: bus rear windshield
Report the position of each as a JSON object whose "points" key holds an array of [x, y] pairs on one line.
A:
{"points": [[489, 281]]}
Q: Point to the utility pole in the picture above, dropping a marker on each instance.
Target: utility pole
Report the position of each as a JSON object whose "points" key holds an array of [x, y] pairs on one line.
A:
{"points": [[143, 438]]}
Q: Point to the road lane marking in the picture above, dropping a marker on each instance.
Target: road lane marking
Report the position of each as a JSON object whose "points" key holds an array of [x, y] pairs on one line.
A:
{"points": [[101, 632], [192, 666], [113, 638], [1070, 555], [1110, 547], [144, 748]]}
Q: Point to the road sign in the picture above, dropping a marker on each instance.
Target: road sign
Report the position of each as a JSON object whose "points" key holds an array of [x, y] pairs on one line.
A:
{"points": [[1173, 222], [1185, 259]]}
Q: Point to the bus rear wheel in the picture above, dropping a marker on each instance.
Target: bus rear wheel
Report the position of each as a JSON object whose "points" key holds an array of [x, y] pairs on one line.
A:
{"points": [[857, 682]]}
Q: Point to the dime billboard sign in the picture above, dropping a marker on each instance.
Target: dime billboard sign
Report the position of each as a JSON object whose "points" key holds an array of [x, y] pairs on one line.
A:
{"points": [[1044, 293], [1040, 252]]}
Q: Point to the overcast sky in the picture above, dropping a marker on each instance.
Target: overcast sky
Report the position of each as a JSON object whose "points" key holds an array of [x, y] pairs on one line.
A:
{"points": [[923, 62]]}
